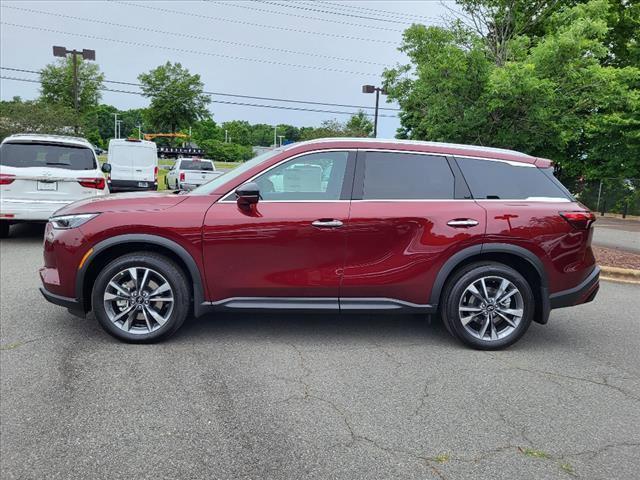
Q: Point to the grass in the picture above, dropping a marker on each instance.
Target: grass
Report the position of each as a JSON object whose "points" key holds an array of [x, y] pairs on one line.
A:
{"points": [[442, 458], [530, 452]]}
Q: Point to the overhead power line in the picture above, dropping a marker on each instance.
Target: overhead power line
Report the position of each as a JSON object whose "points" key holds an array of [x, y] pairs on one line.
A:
{"points": [[186, 50], [322, 10], [371, 11], [253, 8], [223, 102], [192, 36], [252, 24], [226, 94]]}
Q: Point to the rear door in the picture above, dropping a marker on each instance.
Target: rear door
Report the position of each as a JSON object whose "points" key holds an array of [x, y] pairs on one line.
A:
{"points": [[120, 158], [145, 162], [410, 212], [47, 171]]}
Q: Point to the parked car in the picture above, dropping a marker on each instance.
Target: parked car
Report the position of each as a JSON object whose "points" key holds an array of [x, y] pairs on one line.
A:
{"points": [[134, 165], [486, 238], [188, 173], [98, 150], [41, 173]]}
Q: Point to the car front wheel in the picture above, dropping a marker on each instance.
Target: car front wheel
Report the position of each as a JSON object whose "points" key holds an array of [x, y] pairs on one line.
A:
{"points": [[488, 305], [141, 297]]}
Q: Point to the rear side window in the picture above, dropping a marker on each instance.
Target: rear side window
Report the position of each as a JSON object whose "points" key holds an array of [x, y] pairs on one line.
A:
{"points": [[501, 180], [46, 155], [196, 165], [406, 176]]}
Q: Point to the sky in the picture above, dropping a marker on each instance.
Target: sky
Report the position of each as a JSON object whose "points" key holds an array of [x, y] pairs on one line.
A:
{"points": [[300, 50]]}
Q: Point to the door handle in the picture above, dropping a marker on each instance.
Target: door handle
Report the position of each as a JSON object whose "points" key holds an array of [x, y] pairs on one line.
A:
{"points": [[327, 223], [462, 223]]}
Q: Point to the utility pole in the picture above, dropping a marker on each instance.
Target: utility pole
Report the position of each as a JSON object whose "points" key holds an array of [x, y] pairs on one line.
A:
{"points": [[115, 125], [378, 91], [226, 136], [275, 136], [86, 55], [119, 122], [280, 137], [140, 131]]}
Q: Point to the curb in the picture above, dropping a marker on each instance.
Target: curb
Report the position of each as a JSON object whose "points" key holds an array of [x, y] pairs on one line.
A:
{"points": [[616, 274]]}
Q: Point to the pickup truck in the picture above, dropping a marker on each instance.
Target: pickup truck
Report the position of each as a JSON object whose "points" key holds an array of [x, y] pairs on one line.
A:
{"points": [[188, 173]]}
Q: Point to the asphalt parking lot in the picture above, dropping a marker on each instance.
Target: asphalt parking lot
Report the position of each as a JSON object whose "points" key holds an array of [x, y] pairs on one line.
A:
{"points": [[313, 396]]}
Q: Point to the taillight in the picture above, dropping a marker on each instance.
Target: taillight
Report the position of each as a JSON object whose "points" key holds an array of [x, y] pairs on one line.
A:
{"points": [[97, 183], [579, 220], [155, 173], [6, 179], [182, 176]]}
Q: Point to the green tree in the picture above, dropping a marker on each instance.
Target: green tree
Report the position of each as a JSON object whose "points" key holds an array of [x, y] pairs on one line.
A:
{"points": [[238, 131], [359, 125], [57, 87], [553, 96], [17, 116], [206, 129], [177, 98], [226, 152]]}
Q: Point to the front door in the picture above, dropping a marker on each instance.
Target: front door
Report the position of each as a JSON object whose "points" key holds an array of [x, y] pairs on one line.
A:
{"points": [[288, 250]]}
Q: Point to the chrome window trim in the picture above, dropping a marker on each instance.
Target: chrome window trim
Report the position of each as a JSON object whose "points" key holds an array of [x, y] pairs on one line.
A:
{"points": [[224, 198]]}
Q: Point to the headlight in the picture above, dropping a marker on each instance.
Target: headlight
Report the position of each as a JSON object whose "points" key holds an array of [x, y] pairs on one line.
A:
{"points": [[65, 222]]}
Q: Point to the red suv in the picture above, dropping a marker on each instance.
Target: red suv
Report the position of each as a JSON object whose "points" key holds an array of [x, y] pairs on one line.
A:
{"points": [[486, 238]]}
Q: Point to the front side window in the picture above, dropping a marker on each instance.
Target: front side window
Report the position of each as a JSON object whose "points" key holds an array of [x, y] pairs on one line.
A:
{"points": [[406, 176], [501, 180], [315, 176], [23, 155]]}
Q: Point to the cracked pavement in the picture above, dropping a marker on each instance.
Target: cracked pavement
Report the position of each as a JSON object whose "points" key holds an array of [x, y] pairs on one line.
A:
{"points": [[256, 396]]}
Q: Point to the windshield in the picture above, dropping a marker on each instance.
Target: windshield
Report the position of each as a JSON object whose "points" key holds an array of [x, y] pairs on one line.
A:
{"points": [[23, 155], [217, 182], [196, 165]]}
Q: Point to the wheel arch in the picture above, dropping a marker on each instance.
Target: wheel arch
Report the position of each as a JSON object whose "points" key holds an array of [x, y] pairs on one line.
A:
{"points": [[522, 260], [106, 250]]}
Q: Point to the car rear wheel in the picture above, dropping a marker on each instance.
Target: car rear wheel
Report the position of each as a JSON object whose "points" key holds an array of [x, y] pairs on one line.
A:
{"points": [[4, 228], [488, 306], [141, 297]]}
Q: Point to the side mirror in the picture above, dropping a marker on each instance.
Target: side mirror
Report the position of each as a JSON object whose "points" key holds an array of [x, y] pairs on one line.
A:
{"points": [[106, 167], [247, 194]]}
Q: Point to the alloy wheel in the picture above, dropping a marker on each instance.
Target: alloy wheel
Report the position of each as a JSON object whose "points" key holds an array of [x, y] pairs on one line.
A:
{"points": [[491, 308], [138, 300]]}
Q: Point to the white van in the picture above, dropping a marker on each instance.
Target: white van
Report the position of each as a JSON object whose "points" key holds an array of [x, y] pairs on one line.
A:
{"points": [[134, 165]]}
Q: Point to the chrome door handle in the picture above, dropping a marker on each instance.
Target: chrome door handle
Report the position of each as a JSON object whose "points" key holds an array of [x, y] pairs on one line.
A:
{"points": [[327, 223], [462, 223]]}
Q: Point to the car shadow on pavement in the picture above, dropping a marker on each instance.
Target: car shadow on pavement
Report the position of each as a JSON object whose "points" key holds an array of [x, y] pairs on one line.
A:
{"points": [[305, 327], [26, 231]]}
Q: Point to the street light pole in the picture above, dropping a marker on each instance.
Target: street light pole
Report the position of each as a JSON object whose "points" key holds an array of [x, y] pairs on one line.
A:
{"points": [[275, 136], [86, 55], [115, 125], [378, 91]]}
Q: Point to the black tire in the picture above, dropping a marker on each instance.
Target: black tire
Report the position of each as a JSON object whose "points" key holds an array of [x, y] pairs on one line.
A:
{"points": [[174, 276], [4, 228], [456, 287]]}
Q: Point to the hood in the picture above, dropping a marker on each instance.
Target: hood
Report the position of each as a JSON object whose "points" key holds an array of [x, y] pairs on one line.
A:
{"points": [[124, 202]]}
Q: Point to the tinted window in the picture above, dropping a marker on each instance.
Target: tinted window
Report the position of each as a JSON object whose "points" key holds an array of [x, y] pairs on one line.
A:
{"points": [[196, 165], [316, 176], [46, 155], [492, 179], [389, 175]]}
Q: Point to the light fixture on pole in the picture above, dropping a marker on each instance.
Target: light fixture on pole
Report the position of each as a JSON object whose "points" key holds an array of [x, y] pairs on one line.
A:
{"points": [[377, 91], [86, 55]]}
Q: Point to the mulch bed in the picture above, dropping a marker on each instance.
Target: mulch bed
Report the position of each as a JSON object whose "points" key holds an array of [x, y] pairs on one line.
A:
{"points": [[616, 258]]}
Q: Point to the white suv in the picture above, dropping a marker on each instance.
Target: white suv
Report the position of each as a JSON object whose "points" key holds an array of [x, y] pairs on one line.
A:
{"points": [[41, 173]]}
